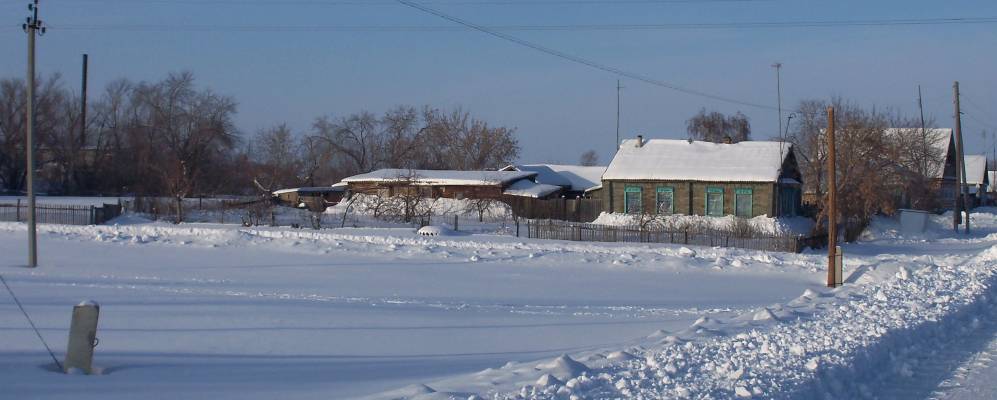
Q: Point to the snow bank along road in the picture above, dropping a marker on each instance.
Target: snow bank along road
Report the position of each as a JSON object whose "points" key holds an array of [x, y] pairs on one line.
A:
{"points": [[916, 320], [214, 311], [198, 311]]}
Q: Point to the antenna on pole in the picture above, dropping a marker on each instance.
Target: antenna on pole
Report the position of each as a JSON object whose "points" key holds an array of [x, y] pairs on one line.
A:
{"points": [[618, 88], [32, 26]]}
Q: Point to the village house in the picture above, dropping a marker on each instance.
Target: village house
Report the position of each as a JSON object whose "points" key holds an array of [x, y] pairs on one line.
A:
{"points": [[574, 180], [451, 184], [663, 176]]}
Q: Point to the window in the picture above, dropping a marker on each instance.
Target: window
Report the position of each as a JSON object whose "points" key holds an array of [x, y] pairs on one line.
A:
{"points": [[665, 200], [631, 200], [715, 201], [742, 202]]}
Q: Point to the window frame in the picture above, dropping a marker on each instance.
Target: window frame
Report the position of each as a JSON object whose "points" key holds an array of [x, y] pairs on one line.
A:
{"points": [[706, 207], [751, 201], [630, 190], [660, 190]]}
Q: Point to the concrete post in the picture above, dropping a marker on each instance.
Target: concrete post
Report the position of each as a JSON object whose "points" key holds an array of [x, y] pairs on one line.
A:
{"points": [[82, 337]]}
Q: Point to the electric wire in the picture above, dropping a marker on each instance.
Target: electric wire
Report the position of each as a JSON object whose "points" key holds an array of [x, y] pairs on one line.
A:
{"points": [[30, 322]]}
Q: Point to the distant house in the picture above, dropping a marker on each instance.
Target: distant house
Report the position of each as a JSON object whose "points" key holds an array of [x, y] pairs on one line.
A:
{"points": [[661, 176], [976, 177], [574, 180], [451, 184], [944, 171], [312, 198]]}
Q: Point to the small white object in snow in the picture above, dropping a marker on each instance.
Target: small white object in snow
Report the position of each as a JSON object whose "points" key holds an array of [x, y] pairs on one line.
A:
{"points": [[433, 230], [687, 252]]}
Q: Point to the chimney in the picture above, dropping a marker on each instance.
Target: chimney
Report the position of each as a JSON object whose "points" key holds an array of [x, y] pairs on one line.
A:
{"points": [[727, 140], [640, 141]]}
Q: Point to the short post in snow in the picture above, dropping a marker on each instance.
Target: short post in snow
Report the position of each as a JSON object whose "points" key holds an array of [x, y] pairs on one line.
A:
{"points": [[838, 266], [82, 338], [456, 226]]}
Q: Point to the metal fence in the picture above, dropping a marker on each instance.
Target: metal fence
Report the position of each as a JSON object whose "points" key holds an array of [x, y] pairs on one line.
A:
{"points": [[560, 230], [61, 214]]}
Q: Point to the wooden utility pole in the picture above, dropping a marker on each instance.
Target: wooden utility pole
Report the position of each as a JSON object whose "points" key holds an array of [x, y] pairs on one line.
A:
{"points": [[962, 189], [832, 201], [33, 26]]}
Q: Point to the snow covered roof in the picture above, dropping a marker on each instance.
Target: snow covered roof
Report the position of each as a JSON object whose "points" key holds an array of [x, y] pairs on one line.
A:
{"points": [[318, 189], [976, 169], [668, 159], [575, 177], [442, 177], [528, 188]]}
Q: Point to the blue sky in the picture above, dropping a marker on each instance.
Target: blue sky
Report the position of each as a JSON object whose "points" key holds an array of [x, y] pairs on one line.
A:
{"points": [[560, 109]]}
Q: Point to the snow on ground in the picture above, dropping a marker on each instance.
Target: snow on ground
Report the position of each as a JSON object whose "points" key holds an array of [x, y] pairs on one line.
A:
{"points": [[902, 328], [762, 224], [208, 310]]}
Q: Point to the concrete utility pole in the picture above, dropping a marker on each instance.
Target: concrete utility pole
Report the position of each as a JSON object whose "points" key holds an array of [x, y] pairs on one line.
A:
{"points": [[962, 190], [832, 202], [33, 26]]}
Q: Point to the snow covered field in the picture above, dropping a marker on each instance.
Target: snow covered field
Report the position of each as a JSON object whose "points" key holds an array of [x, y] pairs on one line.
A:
{"points": [[215, 311]]}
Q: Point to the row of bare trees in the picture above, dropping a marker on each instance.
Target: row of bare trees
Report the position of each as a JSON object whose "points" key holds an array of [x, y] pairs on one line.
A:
{"points": [[173, 138]]}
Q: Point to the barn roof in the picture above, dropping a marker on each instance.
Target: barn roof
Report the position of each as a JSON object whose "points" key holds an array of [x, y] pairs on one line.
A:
{"points": [[528, 188], [682, 160], [428, 177], [577, 178]]}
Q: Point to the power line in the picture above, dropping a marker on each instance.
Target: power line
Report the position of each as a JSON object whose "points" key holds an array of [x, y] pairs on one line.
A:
{"points": [[30, 322], [566, 27], [439, 2], [580, 60]]}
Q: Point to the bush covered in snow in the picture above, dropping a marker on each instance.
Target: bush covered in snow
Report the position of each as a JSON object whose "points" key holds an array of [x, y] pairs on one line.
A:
{"points": [[741, 227]]}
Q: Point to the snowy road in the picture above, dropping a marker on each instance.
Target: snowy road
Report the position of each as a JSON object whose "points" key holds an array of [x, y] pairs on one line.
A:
{"points": [[217, 312]]}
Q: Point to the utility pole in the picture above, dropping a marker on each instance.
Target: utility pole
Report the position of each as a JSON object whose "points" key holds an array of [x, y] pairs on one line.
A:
{"points": [[832, 202], [963, 189], [778, 90], [82, 142], [618, 87], [920, 106], [33, 26]]}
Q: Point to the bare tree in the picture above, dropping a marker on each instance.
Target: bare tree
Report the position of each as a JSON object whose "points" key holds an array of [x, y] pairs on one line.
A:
{"points": [[589, 158], [716, 127], [190, 129], [275, 152]]}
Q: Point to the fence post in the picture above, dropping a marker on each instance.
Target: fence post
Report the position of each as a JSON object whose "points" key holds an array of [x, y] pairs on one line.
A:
{"points": [[17, 212], [93, 215], [456, 227]]}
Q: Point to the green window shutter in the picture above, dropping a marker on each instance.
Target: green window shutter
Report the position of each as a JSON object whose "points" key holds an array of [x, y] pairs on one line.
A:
{"points": [[715, 201], [665, 200], [743, 202], [632, 200]]}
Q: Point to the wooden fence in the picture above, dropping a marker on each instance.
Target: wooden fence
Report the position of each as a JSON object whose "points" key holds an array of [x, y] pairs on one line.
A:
{"points": [[60, 214], [577, 210], [560, 230]]}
